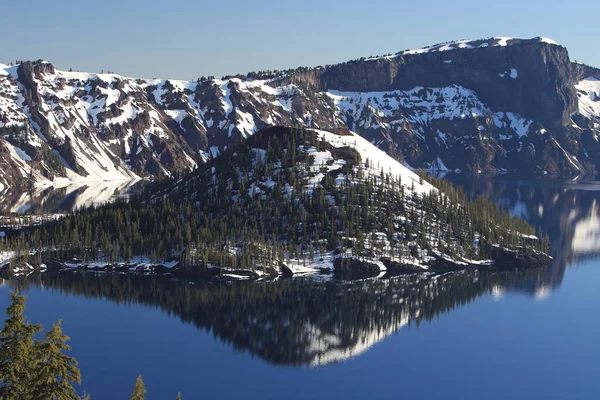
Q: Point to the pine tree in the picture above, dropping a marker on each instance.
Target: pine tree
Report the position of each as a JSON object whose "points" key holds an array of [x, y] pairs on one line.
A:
{"points": [[139, 390], [56, 372], [18, 360]]}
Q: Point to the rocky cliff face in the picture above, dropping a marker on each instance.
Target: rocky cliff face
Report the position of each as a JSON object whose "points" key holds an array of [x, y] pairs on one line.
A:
{"points": [[492, 106], [541, 87]]}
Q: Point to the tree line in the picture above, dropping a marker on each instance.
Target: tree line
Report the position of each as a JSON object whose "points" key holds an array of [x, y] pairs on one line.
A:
{"points": [[264, 201]]}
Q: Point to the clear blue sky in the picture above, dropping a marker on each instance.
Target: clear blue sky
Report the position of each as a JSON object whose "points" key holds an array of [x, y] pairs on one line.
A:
{"points": [[190, 38]]}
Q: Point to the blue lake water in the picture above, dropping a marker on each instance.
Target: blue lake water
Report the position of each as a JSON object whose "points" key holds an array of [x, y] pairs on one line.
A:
{"points": [[513, 335]]}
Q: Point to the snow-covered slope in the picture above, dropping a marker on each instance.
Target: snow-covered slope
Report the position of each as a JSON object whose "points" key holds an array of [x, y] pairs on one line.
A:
{"points": [[445, 119], [477, 112], [589, 97], [471, 44], [320, 159], [374, 160]]}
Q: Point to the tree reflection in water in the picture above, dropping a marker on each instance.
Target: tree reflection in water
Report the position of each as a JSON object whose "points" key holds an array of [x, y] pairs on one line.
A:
{"points": [[297, 321], [569, 212]]}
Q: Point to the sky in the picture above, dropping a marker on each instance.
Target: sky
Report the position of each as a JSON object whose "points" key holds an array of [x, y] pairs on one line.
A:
{"points": [[187, 39]]}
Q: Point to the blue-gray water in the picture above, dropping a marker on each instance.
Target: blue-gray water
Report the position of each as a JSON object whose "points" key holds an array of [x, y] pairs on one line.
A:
{"points": [[517, 335]]}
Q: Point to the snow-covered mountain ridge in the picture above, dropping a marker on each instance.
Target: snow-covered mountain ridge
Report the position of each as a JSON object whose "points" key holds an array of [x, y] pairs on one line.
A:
{"points": [[497, 105], [470, 44]]}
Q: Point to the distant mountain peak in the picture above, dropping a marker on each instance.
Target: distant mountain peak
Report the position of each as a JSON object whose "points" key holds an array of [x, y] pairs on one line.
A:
{"points": [[466, 44], [505, 106]]}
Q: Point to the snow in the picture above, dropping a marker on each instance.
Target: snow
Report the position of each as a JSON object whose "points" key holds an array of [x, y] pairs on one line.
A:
{"points": [[71, 107], [567, 155], [326, 349], [235, 276], [81, 194], [513, 73], [438, 165], [546, 40], [177, 115], [307, 266], [245, 123], [378, 160], [503, 41], [22, 155], [512, 121], [588, 92], [418, 105], [586, 235], [500, 41], [136, 262], [94, 157], [225, 99]]}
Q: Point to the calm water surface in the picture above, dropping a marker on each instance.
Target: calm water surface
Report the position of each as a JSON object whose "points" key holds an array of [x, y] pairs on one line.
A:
{"points": [[475, 335]]}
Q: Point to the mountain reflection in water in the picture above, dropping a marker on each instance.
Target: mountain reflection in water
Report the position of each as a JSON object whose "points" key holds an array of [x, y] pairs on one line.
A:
{"points": [[311, 322], [568, 212], [296, 321], [64, 197]]}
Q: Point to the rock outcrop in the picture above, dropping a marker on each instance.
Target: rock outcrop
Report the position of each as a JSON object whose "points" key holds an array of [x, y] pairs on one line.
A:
{"points": [[491, 106]]}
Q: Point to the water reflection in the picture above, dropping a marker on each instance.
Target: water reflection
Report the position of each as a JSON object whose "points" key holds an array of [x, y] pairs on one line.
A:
{"points": [[62, 198], [297, 321], [305, 322], [567, 211]]}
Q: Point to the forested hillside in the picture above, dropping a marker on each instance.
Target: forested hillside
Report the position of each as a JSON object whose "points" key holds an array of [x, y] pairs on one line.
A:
{"points": [[287, 199]]}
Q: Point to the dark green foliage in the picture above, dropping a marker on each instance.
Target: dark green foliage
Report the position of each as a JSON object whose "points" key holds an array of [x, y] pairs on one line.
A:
{"points": [[488, 218], [254, 204], [18, 353], [56, 371], [32, 369]]}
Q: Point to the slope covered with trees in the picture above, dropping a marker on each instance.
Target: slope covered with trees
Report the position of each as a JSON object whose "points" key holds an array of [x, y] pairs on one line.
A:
{"points": [[288, 197]]}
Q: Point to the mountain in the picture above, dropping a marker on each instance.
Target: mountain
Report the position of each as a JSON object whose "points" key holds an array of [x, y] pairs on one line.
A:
{"points": [[286, 201], [490, 106]]}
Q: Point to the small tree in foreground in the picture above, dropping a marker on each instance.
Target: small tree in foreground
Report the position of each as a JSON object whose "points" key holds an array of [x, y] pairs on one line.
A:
{"points": [[18, 359], [139, 390], [39, 369], [57, 371]]}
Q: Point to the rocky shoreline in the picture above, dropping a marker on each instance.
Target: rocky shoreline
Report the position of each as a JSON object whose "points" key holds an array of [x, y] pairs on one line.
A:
{"points": [[343, 268]]}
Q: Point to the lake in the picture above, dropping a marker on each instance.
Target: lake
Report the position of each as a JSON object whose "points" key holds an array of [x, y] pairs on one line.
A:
{"points": [[469, 335], [65, 197]]}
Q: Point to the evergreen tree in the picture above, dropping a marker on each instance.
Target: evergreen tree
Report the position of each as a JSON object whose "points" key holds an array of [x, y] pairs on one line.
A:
{"points": [[57, 371], [139, 390], [18, 359]]}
